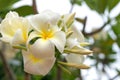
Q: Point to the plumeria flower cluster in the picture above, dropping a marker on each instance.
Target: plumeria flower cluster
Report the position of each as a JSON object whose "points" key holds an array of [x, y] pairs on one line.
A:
{"points": [[41, 37]]}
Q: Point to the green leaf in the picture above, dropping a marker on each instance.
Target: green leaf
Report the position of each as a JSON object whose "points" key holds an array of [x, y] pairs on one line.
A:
{"points": [[118, 41], [116, 29], [112, 4], [101, 5], [78, 2], [3, 13], [5, 4], [91, 4], [97, 5], [118, 18], [118, 71], [24, 10]]}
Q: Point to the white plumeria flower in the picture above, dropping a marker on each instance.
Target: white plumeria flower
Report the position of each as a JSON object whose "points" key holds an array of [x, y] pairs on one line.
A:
{"points": [[76, 38], [48, 33], [73, 44], [37, 66], [14, 29]]}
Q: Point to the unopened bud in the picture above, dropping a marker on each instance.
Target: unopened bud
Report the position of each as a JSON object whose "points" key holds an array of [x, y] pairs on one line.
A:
{"points": [[84, 44], [69, 33], [78, 50], [70, 19], [79, 66]]}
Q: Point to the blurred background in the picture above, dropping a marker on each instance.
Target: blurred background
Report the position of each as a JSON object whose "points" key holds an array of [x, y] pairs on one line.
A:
{"points": [[99, 21]]}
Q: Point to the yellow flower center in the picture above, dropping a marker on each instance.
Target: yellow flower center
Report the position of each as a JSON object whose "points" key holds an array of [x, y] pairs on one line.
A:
{"points": [[25, 36], [34, 59], [47, 35]]}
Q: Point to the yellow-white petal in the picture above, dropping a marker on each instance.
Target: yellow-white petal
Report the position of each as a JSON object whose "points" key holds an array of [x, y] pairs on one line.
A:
{"points": [[75, 58], [42, 20], [59, 40], [77, 34], [6, 39], [11, 25], [71, 42], [6, 31], [37, 66], [18, 38], [42, 48], [32, 35], [12, 14]]}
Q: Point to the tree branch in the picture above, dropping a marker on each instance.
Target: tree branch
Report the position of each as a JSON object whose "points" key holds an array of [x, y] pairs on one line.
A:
{"points": [[98, 30], [71, 9], [84, 24], [34, 6], [80, 76], [27, 76], [6, 66], [115, 76], [59, 73]]}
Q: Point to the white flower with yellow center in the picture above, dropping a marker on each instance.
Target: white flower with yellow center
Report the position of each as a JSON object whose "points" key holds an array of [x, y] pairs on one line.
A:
{"points": [[14, 29], [46, 35]]}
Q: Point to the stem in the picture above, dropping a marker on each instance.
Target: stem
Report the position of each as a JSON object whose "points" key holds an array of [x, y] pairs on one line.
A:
{"points": [[27, 76], [6, 66], [80, 76], [59, 73], [71, 9], [84, 24], [34, 6]]}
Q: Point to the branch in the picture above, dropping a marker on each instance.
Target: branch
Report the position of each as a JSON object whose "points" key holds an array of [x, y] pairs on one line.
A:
{"points": [[6, 66], [115, 77], [71, 9], [84, 24], [59, 73], [98, 30], [34, 6], [80, 76], [72, 6], [27, 76]]}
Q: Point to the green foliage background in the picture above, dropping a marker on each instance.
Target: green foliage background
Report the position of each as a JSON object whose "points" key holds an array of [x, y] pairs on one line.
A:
{"points": [[100, 46]]}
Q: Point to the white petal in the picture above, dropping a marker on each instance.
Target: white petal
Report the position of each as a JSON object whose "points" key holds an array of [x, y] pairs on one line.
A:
{"points": [[32, 36], [71, 42], [40, 67], [42, 20], [75, 58], [6, 39], [6, 29], [42, 48], [77, 33], [59, 40], [12, 14], [52, 16], [18, 38]]}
